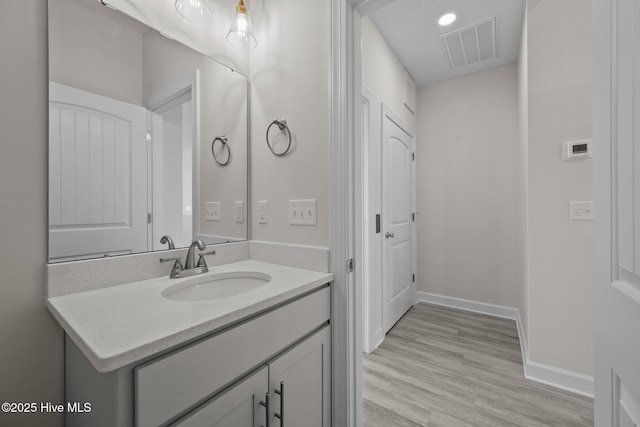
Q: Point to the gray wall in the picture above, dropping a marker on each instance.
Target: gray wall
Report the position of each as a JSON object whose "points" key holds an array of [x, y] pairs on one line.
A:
{"points": [[31, 357], [560, 252], [289, 80], [467, 187]]}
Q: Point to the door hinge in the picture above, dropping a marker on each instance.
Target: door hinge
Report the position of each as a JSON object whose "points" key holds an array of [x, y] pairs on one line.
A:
{"points": [[414, 277], [149, 218], [413, 156], [148, 136], [413, 217], [350, 265]]}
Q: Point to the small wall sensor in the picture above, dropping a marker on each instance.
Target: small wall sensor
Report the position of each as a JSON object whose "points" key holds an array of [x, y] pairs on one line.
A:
{"points": [[573, 150]]}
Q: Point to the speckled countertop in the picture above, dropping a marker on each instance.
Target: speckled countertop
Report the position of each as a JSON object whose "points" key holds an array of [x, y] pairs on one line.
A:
{"points": [[120, 325]]}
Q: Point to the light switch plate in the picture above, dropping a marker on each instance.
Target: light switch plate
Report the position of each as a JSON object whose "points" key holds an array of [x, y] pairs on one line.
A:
{"points": [[263, 212], [302, 212], [212, 211], [239, 211], [581, 211]]}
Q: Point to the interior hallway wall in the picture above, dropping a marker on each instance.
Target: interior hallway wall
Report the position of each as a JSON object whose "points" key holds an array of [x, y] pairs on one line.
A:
{"points": [[560, 89], [383, 76], [31, 355], [467, 187]]}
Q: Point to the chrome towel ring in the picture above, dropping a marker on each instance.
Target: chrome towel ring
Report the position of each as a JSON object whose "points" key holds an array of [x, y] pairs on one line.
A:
{"points": [[223, 140], [282, 125]]}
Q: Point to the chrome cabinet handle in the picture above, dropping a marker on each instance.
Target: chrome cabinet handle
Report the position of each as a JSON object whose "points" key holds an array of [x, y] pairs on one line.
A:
{"points": [[280, 415], [387, 235], [265, 404]]}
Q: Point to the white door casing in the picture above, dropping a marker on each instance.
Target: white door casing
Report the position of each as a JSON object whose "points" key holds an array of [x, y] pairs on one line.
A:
{"points": [[398, 236], [97, 175], [366, 228], [617, 214]]}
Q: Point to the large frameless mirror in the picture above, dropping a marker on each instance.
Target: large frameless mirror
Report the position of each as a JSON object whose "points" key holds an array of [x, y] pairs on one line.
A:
{"points": [[147, 138]]}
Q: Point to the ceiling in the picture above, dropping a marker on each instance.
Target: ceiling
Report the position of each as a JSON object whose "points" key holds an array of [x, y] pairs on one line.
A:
{"points": [[411, 29]]}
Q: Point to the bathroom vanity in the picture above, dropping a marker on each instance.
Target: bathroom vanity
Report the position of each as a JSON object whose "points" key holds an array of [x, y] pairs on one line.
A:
{"points": [[149, 146], [257, 358]]}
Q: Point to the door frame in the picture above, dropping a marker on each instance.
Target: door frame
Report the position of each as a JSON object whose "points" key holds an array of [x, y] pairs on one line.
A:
{"points": [[164, 100], [388, 114], [346, 295], [602, 110], [364, 211]]}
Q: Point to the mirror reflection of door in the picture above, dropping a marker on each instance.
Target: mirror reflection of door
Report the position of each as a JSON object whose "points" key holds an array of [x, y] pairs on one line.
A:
{"points": [[97, 175], [172, 143]]}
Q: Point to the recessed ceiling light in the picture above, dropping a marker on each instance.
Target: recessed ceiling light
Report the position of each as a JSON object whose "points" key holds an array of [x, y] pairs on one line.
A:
{"points": [[447, 19]]}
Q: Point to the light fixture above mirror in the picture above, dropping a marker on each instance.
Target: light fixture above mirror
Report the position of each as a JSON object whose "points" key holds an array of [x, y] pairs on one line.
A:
{"points": [[197, 11], [240, 33]]}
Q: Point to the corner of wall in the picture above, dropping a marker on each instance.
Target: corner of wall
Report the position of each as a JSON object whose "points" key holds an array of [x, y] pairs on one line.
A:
{"points": [[31, 359]]}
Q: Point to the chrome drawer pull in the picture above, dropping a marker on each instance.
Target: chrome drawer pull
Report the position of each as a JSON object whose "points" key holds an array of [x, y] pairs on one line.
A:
{"points": [[265, 404], [280, 415]]}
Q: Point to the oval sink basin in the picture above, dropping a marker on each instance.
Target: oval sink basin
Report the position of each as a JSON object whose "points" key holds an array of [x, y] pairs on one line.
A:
{"points": [[216, 286]]}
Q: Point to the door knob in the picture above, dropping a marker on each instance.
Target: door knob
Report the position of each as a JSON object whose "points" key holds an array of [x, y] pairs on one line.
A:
{"points": [[387, 235]]}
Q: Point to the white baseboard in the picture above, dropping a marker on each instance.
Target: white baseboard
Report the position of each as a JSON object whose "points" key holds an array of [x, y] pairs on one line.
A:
{"points": [[379, 337], [545, 374], [559, 378], [469, 305]]}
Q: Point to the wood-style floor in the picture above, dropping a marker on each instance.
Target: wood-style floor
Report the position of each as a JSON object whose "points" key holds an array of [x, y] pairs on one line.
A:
{"points": [[442, 367]]}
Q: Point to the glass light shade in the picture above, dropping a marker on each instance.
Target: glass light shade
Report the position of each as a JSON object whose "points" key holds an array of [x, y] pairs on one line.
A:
{"points": [[240, 33], [194, 10]]}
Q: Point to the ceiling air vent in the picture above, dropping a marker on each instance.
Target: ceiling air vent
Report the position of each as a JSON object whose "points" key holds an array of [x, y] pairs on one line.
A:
{"points": [[472, 44]]}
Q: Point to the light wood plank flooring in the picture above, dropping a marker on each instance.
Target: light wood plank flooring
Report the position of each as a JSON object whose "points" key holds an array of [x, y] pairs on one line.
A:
{"points": [[446, 367]]}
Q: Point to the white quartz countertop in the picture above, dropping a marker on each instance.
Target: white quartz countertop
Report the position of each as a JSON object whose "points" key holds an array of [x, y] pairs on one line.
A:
{"points": [[120, 325]]}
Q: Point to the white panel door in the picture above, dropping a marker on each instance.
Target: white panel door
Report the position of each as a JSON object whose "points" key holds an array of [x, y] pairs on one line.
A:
{"points": [[97, 175], [617, 159], [398, 286]]}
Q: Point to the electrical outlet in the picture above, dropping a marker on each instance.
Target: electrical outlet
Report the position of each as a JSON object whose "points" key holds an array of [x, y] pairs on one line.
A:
{"points": [[212, 211], [239, 211], [263, 212], [581, 211], [302, 212]]}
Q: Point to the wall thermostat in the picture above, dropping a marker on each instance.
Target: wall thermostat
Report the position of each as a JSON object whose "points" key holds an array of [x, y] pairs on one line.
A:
{"points": [[573, 150]]}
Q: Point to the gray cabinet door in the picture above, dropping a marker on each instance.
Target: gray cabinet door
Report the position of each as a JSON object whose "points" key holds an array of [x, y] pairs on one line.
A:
{"points": [[237, 407], [304, 376]]}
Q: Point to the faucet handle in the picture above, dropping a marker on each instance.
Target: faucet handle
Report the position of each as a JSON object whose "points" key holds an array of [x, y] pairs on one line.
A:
{"points": [[201, 260], [177, 266]]}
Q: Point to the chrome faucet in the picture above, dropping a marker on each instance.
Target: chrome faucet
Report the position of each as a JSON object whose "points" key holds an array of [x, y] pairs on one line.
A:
{"points": [[190, 261], [190, 267], [166, 239]]}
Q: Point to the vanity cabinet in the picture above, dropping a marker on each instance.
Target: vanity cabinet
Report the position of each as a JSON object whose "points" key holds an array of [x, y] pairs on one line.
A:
{"points": [[298, 385], [239, 406], [302, 377], [222, 378]]}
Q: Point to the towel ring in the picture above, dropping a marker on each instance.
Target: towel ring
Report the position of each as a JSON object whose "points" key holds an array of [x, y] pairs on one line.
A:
{"points": [[282, 125], [223, 141]]}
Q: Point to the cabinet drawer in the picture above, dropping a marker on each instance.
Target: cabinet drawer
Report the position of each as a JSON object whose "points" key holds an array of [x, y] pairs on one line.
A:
{"points": [[172, 384]]}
